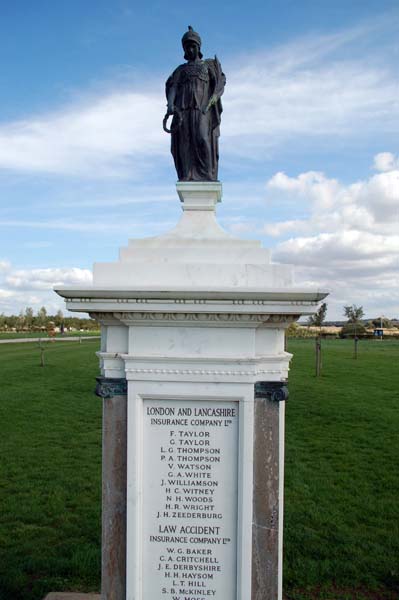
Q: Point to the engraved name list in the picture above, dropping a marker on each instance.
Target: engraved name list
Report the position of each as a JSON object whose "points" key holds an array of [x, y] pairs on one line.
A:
{"points": [[190, 500]]}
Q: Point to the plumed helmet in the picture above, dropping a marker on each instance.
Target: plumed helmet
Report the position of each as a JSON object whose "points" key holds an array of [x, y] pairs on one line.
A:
{"points": [[191, 36]]}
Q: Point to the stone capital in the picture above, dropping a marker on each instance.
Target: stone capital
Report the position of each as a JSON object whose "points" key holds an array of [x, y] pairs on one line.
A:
{"points": [[107, 387], [272, 390]]}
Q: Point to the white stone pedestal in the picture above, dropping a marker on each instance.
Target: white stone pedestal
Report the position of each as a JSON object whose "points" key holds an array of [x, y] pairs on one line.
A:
{"points": [[194, 322]]}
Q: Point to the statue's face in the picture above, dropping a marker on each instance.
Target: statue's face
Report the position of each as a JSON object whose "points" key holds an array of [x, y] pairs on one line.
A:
{"points": [[191, 50]]}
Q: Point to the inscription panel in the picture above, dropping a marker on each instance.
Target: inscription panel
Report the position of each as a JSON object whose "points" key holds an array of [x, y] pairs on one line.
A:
{"points": [[190, 500]]}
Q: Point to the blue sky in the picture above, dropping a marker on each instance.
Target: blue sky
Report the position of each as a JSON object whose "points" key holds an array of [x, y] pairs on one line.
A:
{"points": [[309, 147]]}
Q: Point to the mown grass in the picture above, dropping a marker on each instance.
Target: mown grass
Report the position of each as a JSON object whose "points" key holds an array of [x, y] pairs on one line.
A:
{"points": [[342, 477], [50, 477], [342, 481]]}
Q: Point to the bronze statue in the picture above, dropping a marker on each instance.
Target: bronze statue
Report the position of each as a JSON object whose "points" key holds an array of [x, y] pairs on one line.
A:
{"points": [[193, 93]]}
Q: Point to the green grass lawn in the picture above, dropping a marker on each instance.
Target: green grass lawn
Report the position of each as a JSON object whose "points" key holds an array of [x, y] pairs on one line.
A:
{"points": [[342, 478], [50, 478]]}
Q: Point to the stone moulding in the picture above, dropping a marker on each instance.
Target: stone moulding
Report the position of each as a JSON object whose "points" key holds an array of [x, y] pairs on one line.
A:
{"points": [[214, 319], [236, 295], [107, 387], [200, 369], [192, 316], [104, 318], [200, 372], [273, 390], [188, 301]]}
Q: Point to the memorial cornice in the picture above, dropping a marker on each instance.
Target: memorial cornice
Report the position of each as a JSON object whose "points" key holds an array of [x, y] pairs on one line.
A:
{"points": [[244, 296], [238, 307]]}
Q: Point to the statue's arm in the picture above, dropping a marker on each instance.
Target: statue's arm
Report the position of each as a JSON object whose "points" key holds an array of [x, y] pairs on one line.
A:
{"points": [[170, 89]]}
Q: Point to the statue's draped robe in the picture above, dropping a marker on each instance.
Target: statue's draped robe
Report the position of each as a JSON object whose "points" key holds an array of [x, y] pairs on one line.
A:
{"points": [[195, 135]]}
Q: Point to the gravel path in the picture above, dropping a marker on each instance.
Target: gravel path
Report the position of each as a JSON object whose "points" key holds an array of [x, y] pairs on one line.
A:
{"points": [[74, 338]]}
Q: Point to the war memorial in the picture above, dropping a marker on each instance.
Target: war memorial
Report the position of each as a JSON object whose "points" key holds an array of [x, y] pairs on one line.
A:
{"points": [[194, 379]]}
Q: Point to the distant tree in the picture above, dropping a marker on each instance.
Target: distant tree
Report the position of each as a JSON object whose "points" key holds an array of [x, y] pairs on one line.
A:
{"points": [[26, 318], [21, 320], [382, 322], [351, 329], [354, 327], [29, 316], [354, 313], [59, 317], [318, 318], [292, 330], [11, 322], [42, 316], [298, 331]]}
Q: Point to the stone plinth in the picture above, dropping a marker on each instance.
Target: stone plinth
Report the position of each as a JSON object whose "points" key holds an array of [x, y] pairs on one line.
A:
{"points": [[193, 323]]}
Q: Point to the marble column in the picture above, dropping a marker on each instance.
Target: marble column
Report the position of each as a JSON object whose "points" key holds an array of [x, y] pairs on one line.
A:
{"points": [[113, 391], [268, 480]]}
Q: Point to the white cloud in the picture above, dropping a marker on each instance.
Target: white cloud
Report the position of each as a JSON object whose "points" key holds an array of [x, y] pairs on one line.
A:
{"points": [[365, 204], [310, 88], [144, 194], [98, 138], [4, 266], [381, 196], [44, 279], [312, 185], [102, 227], [386, 161], [283, 227], [342, 251], [320, 99], [350, 240], [20, 288]]}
